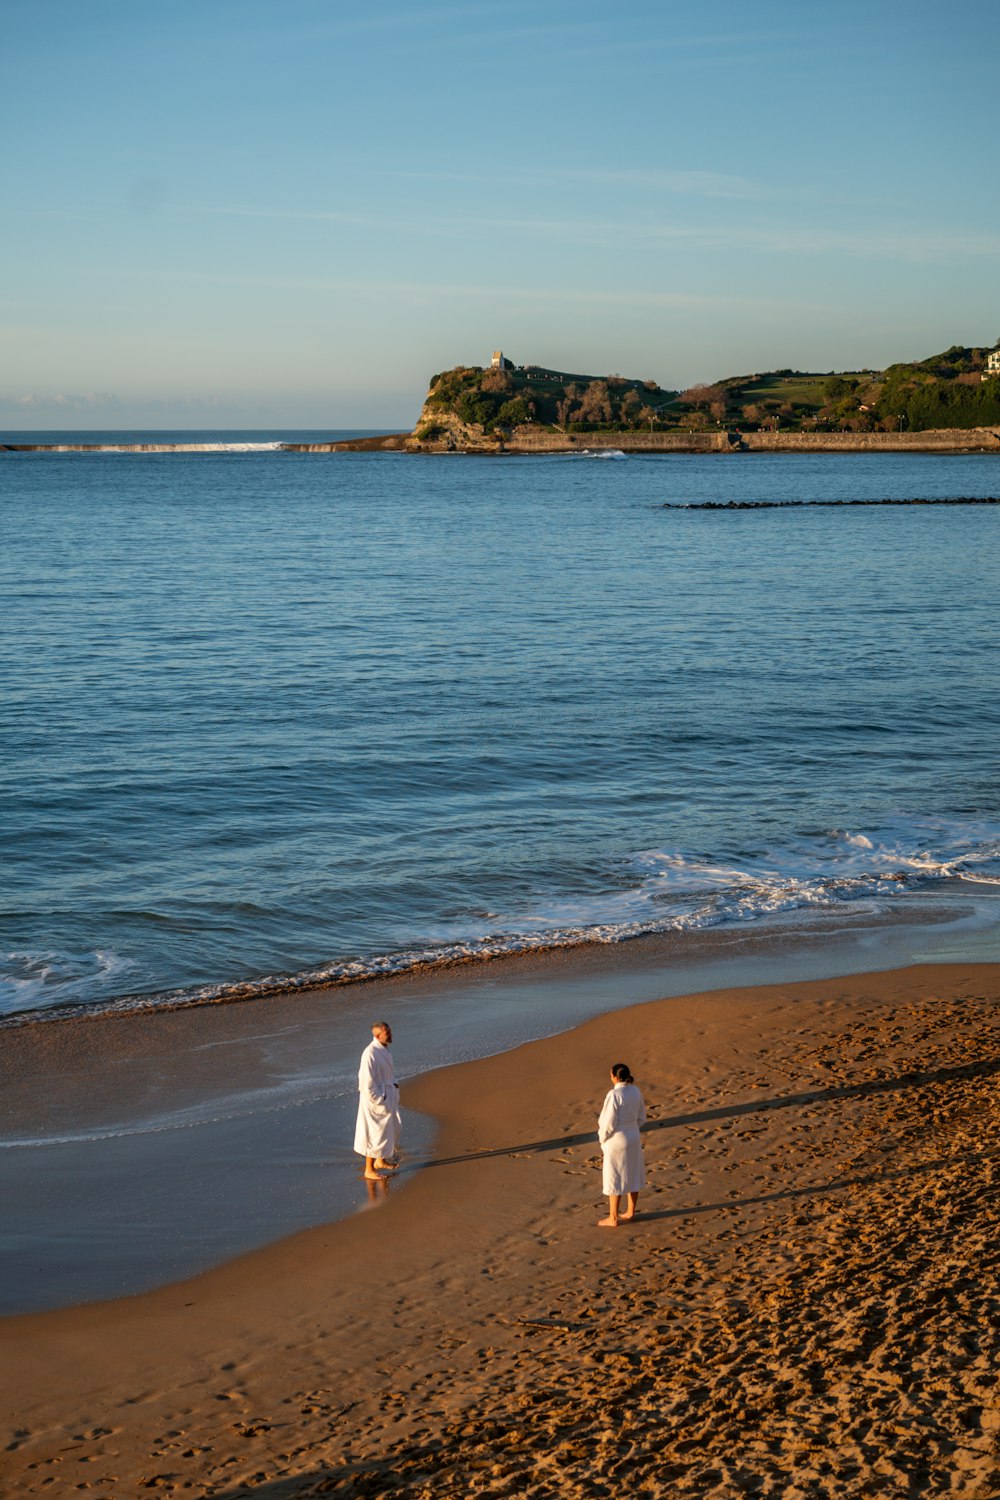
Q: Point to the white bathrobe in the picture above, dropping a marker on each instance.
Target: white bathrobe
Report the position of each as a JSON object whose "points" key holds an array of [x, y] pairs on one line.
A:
{"points": [[618, 1133], [379, 1124]]}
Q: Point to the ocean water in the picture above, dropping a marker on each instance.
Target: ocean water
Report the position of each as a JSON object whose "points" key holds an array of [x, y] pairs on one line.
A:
{"points": [[269, 718]]}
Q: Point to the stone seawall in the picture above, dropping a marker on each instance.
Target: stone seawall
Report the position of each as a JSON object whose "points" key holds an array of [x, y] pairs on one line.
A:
{"points": [[393, 442], [528, 440], [942, 440]]}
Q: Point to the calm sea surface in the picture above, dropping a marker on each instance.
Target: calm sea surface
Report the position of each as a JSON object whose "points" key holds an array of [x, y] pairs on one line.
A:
{"points": [[269, 715]]}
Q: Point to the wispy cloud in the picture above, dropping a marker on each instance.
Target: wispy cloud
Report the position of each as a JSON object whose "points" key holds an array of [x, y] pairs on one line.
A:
{"points": [[35, 403], [689, 184], [670, 51], [775, 237], [299, 215], [482, 293], [26, 402], [751, 235], [436, 24], [649, 182]]}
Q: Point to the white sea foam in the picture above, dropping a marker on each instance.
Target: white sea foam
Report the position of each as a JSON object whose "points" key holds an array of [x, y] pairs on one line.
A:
{"points": [[241, 447], [270, 447], [659, 890], [47, 976]]}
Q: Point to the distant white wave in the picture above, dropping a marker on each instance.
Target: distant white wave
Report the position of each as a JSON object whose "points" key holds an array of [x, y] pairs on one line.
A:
{"points": [[273, 447], [241, 447], [601, 453]]}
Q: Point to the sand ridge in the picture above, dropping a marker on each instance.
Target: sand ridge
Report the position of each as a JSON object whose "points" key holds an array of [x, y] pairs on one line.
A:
{"points": [[807, 1307]]}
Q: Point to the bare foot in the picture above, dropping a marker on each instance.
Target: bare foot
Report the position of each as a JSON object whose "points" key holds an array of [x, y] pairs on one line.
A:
{"points": [[607, 1223], [372, 1177], [386, 1166]]}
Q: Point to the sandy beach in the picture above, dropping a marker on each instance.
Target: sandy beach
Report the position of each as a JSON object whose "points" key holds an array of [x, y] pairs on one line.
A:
{"points": [[807, 1305]]}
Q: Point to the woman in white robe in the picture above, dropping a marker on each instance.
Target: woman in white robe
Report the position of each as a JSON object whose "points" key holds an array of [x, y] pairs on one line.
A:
{"points": [[618, 1132]]}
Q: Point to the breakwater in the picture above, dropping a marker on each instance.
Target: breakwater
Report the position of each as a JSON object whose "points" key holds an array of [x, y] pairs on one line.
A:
{"points": [[141, 447], [387, 443], [825, 504]]}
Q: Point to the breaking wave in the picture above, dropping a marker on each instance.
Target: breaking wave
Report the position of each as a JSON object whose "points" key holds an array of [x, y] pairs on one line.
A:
{"points": [[651, 891], [211, 447]]}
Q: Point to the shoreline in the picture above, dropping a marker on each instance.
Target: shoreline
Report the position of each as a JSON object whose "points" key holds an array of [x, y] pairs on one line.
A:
{"points": [[819, 1157], [440, 964], [158, 1143]]}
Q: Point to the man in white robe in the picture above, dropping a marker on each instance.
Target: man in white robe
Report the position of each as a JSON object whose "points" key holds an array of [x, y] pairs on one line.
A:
{"points": [[377, 1133]]}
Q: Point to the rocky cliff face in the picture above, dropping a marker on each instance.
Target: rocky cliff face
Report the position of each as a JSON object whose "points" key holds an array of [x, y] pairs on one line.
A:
{"points": [[444, 432]]}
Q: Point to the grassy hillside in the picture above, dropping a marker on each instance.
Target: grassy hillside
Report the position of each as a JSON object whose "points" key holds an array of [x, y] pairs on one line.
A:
{"points": [[946, 390]]}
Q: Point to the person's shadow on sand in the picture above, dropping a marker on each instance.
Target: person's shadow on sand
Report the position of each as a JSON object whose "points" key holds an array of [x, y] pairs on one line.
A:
{"points": [[985, 1068], [335, 1480]]}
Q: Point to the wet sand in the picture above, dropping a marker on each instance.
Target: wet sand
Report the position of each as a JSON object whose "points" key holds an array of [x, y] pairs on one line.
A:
{"points": [[807, 1305]]}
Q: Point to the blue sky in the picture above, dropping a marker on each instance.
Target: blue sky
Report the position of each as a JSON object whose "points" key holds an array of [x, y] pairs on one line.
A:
{"points": [[291, 213]]}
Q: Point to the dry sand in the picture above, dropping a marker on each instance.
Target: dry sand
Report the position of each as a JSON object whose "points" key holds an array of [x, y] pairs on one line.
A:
{"points": [[807, 1306]]}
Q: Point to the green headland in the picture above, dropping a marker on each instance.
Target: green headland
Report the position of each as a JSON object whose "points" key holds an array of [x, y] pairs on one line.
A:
{"points": [[506, 403]]}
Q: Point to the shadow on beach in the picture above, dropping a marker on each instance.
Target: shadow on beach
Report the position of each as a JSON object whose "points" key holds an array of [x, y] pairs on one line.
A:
{"points": [[834, 1095], [321, 1482], [815, 1190], [339, 1479]]}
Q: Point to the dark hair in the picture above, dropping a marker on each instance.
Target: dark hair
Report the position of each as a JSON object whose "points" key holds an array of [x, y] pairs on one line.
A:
{"points": [[621, 1073]]}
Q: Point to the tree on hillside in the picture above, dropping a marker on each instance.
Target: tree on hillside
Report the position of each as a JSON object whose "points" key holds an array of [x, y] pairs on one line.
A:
{"points": [[595, 404], [837, 388], [497, 382], [630, 406], [701, 397], [515, 411], [476, 409], [564, 407], [447, 387]]}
